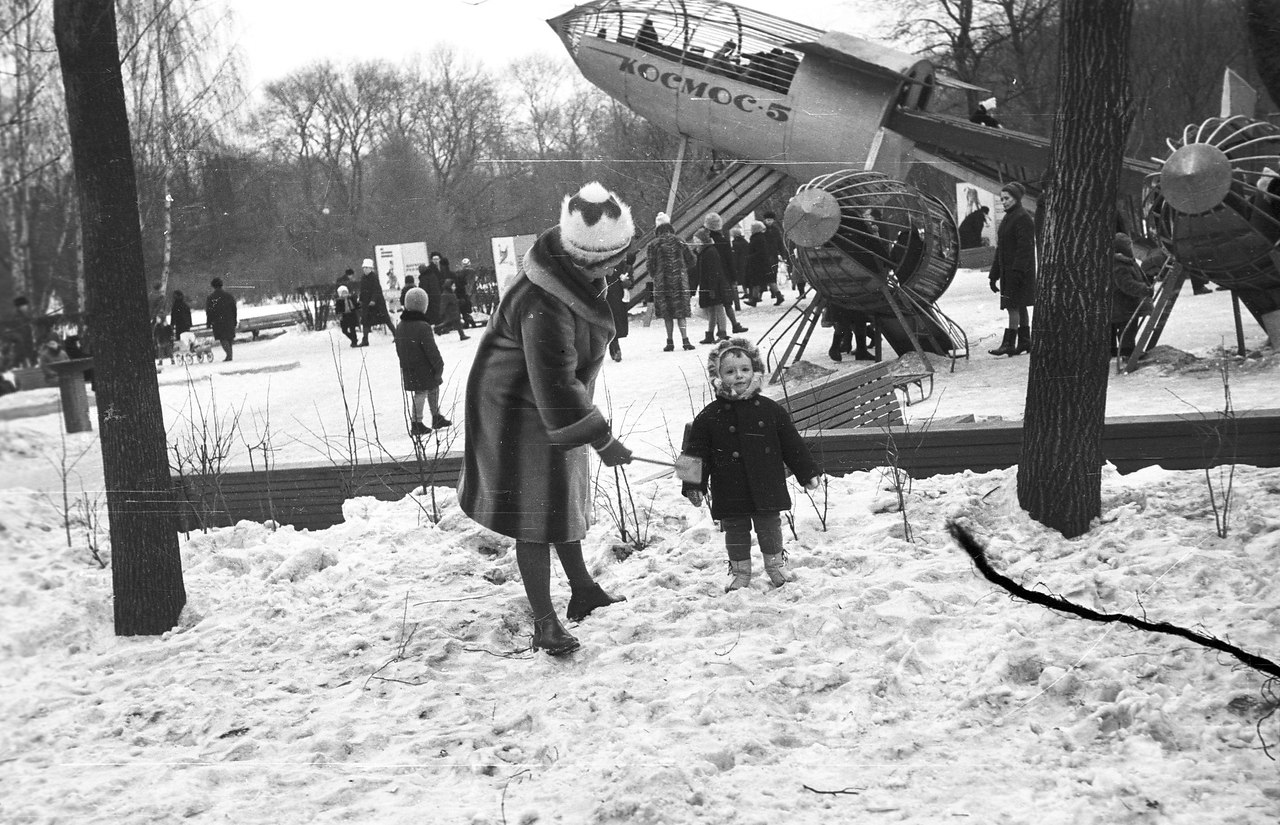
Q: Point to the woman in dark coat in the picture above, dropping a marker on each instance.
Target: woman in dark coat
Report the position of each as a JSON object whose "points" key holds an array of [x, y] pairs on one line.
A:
{"points": [[619, 280], [421, 367], [373, 302], [180, 314], [1013, 272], [713, 289], [668, 260], [529, 408], [761, 264]]}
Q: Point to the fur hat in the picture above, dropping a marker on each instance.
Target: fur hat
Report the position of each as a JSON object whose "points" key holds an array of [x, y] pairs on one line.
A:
{"points": [[701, 235], [661, 219], [343, 292], [367, 263], [713, 221], [415, 300], [466, 262], [1015, 189], [595, 225], [740, 346]]}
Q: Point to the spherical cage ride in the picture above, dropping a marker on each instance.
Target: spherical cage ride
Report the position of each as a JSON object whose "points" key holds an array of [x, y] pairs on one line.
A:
{"points": [[865, 241]]}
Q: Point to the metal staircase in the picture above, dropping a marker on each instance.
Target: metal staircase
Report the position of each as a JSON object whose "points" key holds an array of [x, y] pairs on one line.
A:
{"points": [[734, 193]]}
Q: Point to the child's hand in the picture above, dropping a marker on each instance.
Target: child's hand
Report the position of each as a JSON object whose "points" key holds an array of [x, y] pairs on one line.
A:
{"points": [[695, 497], [813, 483]]}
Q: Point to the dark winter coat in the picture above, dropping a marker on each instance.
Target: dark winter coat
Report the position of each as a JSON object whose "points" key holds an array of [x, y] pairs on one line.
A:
{"points": [[741, 248], [777, 244], [463, 287], [180, 316], [220, 314], [372, 299], [616, 295], [708, 274], [971, 229], [747, 446], [762, 268], [421, 366], [449, 312], [529, 409], [723, 247], [668, 260], [1129, 290], [430, 280], [1014, 268]]}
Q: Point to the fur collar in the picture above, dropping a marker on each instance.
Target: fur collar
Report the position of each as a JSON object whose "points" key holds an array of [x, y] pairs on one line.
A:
{"points": [[549, 267], [412, 315]]}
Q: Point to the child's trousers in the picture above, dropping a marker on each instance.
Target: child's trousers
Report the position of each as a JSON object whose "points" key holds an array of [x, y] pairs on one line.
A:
{"points": [[737, 534]]}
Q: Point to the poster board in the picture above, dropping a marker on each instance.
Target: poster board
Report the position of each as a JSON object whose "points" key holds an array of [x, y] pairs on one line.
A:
{"points": [[508, 252], [401, 258], [970, 198]]}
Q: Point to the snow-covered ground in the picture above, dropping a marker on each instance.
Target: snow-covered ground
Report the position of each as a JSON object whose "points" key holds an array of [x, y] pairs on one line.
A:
{"points": [[379, 671]]}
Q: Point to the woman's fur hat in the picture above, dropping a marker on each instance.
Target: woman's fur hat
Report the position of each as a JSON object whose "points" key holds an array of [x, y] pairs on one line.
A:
{"points": [[661, 219], [415, 300], [343, 292], [713, 221], [595, 225]]}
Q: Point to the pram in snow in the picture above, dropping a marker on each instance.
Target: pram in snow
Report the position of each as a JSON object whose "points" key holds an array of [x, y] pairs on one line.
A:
{"points": [[191, 350]]}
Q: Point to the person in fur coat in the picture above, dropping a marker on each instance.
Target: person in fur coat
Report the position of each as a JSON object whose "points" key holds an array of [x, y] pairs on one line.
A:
{"points": [[746, 443], [669, 260], [421, 367], [529, 406]]}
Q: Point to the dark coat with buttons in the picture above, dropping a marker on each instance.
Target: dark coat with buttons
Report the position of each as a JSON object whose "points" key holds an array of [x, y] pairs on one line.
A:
{"points": [[747, 446]]}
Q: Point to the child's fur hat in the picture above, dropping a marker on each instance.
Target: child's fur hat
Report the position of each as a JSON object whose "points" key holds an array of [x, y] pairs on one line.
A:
{"points": [[739, 345], [595, 225], [415, 300]]}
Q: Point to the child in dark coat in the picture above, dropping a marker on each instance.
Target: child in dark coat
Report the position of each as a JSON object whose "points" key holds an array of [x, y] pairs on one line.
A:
{"points": [[449, 313], [746, 444], [421, 367]]}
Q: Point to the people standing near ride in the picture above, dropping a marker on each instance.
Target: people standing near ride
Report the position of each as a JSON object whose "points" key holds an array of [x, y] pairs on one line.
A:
{"points": [[180, 314], [373, 302], [220, 316], [1130, 292], [746, 443], [463, 286], [1013, 272], [347, 309], [777, 254], [741, 250], [450, 317], [708, 278], [421, 367], [668, 260], [714, 224], [529, 409], [618, 282], [759, 268], [431, 279]]}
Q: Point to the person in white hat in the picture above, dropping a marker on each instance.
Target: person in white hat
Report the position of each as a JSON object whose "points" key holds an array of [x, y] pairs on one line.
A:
{"points": [[373, 302], [529, 410]]}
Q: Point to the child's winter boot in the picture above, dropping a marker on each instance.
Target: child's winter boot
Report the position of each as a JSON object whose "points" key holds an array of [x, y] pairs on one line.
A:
{"points": [[741, 571], [775, 564]]}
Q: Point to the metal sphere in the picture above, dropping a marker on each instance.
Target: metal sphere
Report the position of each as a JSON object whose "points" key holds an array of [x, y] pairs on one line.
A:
{"points": [[888, 235]]}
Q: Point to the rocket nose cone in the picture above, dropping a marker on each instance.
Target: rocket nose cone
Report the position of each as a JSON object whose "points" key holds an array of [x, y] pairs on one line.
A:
{"points": [[1195, 178], [812, 217]]}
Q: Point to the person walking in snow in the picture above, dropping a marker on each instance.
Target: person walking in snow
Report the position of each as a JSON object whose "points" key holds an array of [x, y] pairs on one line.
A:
{"points": [[746, 443], [421, 367], [529, 409], [220, 316], [347, 309]]}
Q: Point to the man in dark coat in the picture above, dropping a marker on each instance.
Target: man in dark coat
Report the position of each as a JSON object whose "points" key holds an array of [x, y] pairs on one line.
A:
{"points": [[529, 409], [464, 282], [715, 225], [220, 316], [1013, 272], [431, 279], [373, 302]]}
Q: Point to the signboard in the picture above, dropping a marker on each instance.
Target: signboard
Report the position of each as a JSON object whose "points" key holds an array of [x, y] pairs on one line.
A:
{"points": [[400, 258], [508, 253]]}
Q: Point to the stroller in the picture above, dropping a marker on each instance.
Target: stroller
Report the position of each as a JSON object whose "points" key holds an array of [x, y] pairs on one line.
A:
{"points": [[191, 350]]}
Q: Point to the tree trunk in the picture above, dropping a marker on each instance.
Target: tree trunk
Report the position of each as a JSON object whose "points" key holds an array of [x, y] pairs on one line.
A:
{"points": [[1059, 473], [146, 569]]}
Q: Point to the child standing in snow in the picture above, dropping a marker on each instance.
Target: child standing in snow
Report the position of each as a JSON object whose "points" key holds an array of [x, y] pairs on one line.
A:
{"points": [[746, 443]]}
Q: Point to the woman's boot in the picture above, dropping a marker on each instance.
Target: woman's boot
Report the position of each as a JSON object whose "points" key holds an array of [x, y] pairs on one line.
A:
{"points": [[550, 635], [775, 564], [1008, 345], [581, 604], [1024, 341]]}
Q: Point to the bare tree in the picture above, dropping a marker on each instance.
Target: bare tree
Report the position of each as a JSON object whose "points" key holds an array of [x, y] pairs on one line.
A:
{"points": [[1059, 473], [146, 568]]}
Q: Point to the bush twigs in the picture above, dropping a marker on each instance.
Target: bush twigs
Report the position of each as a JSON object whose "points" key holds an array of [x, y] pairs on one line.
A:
{"points": [[978, 554]]}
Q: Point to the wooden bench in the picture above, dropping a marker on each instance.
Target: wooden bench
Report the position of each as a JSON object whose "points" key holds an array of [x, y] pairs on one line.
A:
{"points": [[311, 497], [860, 398], [278, 320]]}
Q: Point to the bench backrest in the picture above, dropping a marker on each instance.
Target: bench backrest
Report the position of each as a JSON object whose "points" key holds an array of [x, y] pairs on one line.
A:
{"points": [[865, 398]]}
